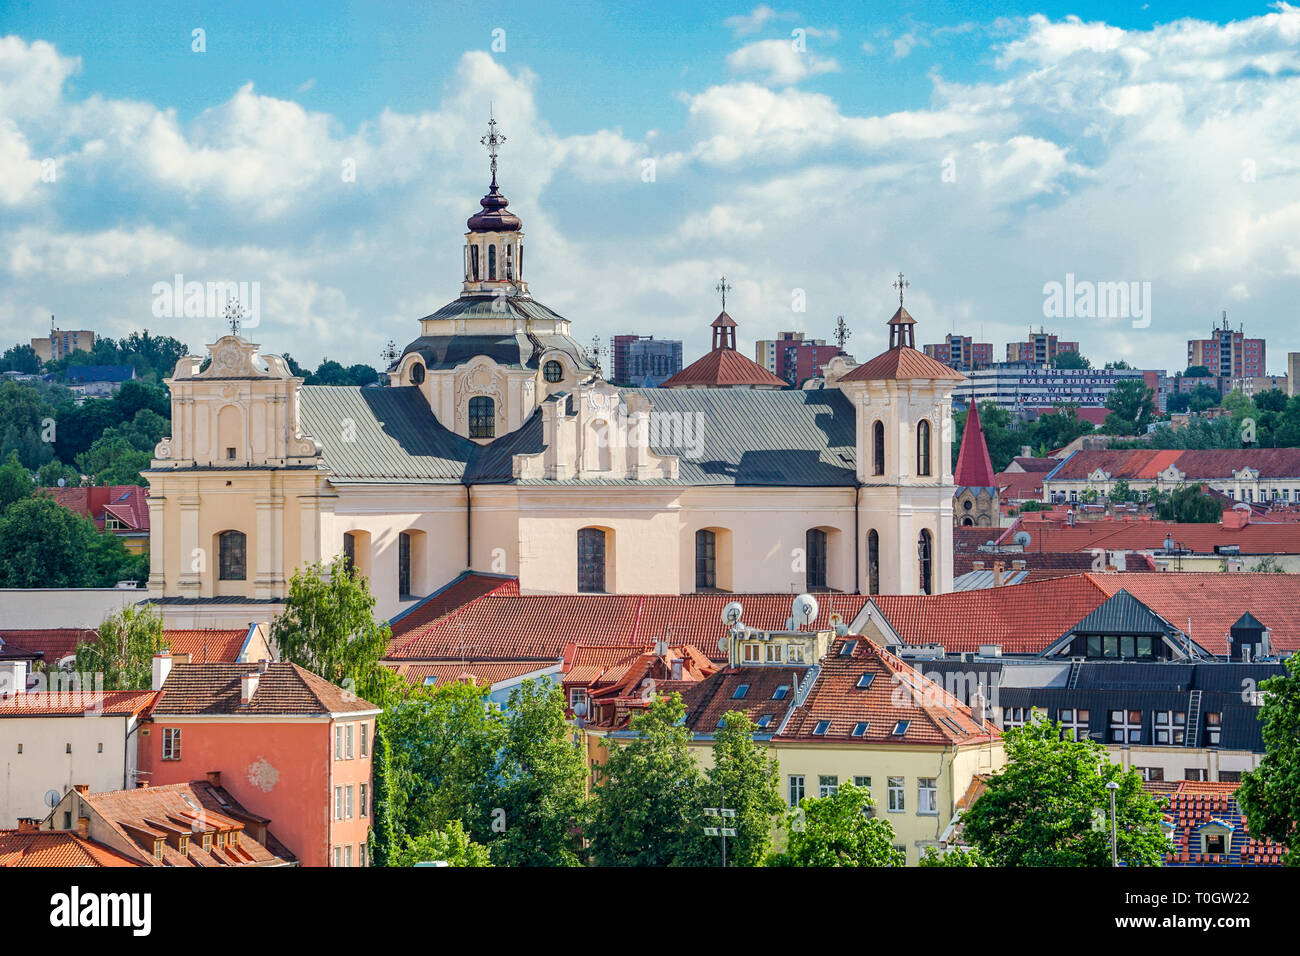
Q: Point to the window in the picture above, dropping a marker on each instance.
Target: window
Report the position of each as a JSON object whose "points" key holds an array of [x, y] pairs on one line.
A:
{"points": [[827, 786], [847, 648], [896, 796], [780, 692], [20, 748], [1126, 726], [365, 743], [492, 261], [350, 551], [819, 730], [864, 681], [338, 803], [1170, 727], [158, 848], [878, 448], [1230, 776], [338, 741], [482, 417], [101, 748], [796, 789], [927, 796], [815, 574], [1074, 723], [69, 748], [1194, 773], [553, 371], [923, 448], [231, 546], [794, 653], [591, 560], [774, 653], [706, 562], [900, 728], [473, 261], [873, 562], [924, 552], [403, 564], [347, 802], [1213, 729], [338, 852], [363, 855], [740, 692], [863, 782], [860, 728], [577, 695], [1015, 716], [764, 721], [1152, 773], [347, 741], [171, 745], [417, 373], [67, 820], [752, 652], [1214, 843]]}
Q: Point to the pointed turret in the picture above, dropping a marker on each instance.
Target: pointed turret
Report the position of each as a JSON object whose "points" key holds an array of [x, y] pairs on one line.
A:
{"points": [[974, 466]]}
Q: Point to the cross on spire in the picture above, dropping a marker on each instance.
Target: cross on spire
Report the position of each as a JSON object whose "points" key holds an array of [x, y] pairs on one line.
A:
{"points": [[723, 288], [900, 284], [842, 331], [492, 141], [234, 314]]}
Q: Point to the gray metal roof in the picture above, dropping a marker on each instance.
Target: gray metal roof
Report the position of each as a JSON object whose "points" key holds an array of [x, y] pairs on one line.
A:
{"points": [[790, 438], [1123, 614]]}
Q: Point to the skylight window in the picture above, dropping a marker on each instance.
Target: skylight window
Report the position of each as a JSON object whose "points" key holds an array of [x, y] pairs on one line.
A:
{"points": [[864, 681], [900, 728], [847, 648], [764, 721], [860, 728], [740, 693], [821, 728], [431, 680], [780, 692]]}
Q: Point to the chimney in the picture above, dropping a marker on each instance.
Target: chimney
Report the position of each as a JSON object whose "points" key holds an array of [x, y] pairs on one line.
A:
{"points": [[977, 565], [263, 665], [13, 678], [248, 687], [677, 669], [1026, 451], [82, 788], [997, 573], [27, 825], [214, 778], [162, 666], [1019, 565], [83, 827]]}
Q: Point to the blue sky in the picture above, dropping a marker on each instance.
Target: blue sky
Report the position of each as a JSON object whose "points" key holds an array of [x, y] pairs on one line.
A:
{"points": [[984, 153]]}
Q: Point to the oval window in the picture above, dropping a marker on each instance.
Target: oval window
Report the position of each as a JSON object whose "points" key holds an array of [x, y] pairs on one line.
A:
{"points": [[417, 373], [553, 371]]}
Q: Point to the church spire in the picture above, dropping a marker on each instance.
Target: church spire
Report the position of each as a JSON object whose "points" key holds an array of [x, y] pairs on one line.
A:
{"points": [[494, 246], [901, 334], [974, 466]]}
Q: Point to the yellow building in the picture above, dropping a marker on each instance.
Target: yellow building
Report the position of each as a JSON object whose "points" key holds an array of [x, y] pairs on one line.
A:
{"points": [[62, 342], [497, 447]]}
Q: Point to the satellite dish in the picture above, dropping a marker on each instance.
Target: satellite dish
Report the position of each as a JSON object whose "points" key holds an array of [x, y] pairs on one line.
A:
{"points": [[804, 609], [52, 798], [731, 613], [62, 482], [1023, 538], [722, 645], [837, 622]]}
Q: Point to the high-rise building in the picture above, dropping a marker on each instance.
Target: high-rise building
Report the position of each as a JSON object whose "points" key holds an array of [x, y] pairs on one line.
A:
{"points": [[1040, 348], [793, 358], [1227, 353], [62, 342], [637, 357], [961, 352]]}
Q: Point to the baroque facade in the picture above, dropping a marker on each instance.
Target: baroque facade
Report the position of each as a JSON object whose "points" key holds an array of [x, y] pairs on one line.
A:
{"points": [[496, 446]]}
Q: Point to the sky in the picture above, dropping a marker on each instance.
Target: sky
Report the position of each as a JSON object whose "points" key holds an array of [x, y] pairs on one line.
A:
{"points": [[330, 153]]}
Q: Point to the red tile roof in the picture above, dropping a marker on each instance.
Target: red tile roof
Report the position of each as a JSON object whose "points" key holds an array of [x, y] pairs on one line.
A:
{"points": [[480, 673], [539, 627], [1196, 464], [56, 848], [461, 591], [1019, 485], [1115, 535], [707, 701], [54, 644], [723, 367], [75, 703], [284, 689], [128, 503], [896, 693], [207, 645], [974, 467], [902, 363]]}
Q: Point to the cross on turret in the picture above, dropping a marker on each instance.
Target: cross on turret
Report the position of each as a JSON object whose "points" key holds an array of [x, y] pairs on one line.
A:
{"points": [[492, 140], [900, 284], [723, 288]]}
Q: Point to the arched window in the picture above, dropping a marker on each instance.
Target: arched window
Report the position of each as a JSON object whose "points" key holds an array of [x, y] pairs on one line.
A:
{"points": [[815, 569], [403, 564], [510, 265], [873, 562], [350, 551], [473, 262], [924, 553], [482, 417], [417, 373], [492, 261], [706, 559], [878, 448], [591, 560], [553, 371], [233, 565], [923, 448]]}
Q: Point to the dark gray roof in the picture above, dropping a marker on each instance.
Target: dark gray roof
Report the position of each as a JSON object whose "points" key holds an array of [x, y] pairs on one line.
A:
{"points": [[516, 350], [1122, 614], [752, 437]]}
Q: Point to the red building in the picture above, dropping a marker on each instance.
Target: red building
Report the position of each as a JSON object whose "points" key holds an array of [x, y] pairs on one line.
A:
{"points": [[1039, 349], [961, 352], [289, 746], [1227, 353]]}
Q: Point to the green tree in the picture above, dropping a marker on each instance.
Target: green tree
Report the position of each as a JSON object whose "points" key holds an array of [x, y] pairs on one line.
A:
{"points": [[835, 831], [1270, 794], [1197, 371], [957, 856], [15, 482], [1187, 504], [1132, 408], [1121, 491], [649, 807], [44, 545], [383, 833], [751, 783], [25, 415], [124, 648], [1057, 428], [1044, 808], [48, 475], [113, 460], [1073, 360], [445, 753], [20, 358], [1268, 564], [328, 627], [450, 845], [541, 781]]}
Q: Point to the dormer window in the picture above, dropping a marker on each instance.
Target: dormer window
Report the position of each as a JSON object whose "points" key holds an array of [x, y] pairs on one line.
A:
{"points": [[764, 721], [482, 417], [847, 648]]}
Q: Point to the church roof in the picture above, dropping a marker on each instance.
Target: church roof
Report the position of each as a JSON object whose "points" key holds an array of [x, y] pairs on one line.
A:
{"points": [[974, 467], [902, 363], [724, 367], [764, 437], [514, 350], [494, 217], [722, 321]]}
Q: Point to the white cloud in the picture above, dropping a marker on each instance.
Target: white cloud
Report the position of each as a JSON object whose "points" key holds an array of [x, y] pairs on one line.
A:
{"points": [[781, 63], [755, 20]]}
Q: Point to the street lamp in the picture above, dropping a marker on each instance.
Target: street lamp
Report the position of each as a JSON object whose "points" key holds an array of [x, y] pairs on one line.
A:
{"points": [[724, 831], [1114, 851]]}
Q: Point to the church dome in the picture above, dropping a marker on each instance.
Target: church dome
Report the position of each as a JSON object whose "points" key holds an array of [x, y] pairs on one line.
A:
{"points": [[494, 217]]}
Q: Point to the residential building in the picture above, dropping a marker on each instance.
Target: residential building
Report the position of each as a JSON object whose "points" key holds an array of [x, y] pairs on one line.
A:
{"points": [[1243, 474], [198, 823], [1227, 353], [1039, 348], [794, 358], [961, 352], [64, 735], [54, 648], [97, 381], [61, 343], [644, 361], [290, 746], [1022, 387], [29, 845], [119, 510], [606, 685]]}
